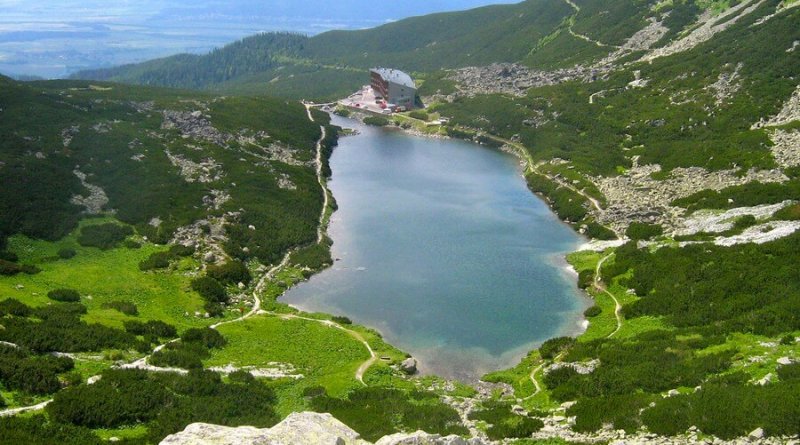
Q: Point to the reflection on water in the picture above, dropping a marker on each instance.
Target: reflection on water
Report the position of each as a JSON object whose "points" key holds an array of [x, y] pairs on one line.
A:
{"points": [[442, 248]]}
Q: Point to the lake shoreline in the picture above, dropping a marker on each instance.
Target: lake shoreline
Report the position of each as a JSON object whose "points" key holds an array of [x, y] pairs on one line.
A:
{"points": [[573, 326]]}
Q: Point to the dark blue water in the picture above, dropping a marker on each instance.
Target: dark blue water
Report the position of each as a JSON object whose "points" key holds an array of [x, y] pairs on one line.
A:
{"points": [[443, 249]]}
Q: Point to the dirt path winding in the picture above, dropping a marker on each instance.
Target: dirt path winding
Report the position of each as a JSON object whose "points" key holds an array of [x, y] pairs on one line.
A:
{"points": [[535, 382], [600, 286], [355, 334], [142, 362], [582, 36]]}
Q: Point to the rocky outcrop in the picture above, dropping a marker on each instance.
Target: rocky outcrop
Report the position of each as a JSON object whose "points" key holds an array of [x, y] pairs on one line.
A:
{"points": [[786, 147], [790, 112], [726, 85], [642, 40], [95, 202], [298, 428], [301, 428], [409, 366], [637, 196], [207, 170], [194, 125], [582, 368], [707, 26], [515, 79]]}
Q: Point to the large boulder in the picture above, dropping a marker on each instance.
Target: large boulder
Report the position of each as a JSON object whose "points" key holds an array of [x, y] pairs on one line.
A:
{"points": [[409, 366], [298, 428]]}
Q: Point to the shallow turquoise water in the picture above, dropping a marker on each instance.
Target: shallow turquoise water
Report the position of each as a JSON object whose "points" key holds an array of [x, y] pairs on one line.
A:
{"points": [[442, 248]]}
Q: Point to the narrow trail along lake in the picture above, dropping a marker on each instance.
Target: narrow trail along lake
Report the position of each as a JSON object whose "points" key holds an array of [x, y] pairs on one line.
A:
{"points": [[441, 247]]}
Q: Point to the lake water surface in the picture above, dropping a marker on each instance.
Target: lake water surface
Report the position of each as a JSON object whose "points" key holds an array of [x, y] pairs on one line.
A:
{"points": [[443, 249]]}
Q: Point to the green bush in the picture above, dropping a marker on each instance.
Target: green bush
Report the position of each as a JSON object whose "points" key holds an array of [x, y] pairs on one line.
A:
{"points": [[165, 402], [38, 430], [131, 244], [593, 311], [182, 356], [207, 337], [789, 372], [729, 410], [64, 295], [104, 236], [731, 296], [31, 374], [342, 111], [505, 424], [314, 257], [241, 376], [643, 231], [341, 319], [156, 260], [8, 268], [214, 309], [419, 114], [376, 412], [621, 411], [111, 402], [669, 417], [62, 330], [179, 250], [232, 272], [12, 306], [790, 213], [161, 260], [744, 222], [376, 121], [555, 346], [568, 205], [314, 391], [751, 194], [210, 289], [585, 278], [598, 231], [66, 253], [126, 307], [156, 328], [8, 256]]}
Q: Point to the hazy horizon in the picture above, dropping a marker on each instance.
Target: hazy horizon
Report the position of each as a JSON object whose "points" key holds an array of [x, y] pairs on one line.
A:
{"points": [[54, 39]]}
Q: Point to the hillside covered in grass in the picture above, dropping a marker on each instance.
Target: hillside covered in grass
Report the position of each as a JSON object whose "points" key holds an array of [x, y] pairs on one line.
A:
{"points": [[668, 132]]}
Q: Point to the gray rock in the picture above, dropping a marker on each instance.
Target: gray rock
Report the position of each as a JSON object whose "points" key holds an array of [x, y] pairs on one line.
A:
{"points": [[409, 366], [756, 434], [298, 428], [302, 428]]}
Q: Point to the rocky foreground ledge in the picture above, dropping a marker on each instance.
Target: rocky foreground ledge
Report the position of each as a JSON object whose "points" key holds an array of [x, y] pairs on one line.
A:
{"points": [[301, 428]]}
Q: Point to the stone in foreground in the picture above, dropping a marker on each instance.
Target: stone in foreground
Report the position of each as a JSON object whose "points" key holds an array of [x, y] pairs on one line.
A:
{"points": [[300, 429]]}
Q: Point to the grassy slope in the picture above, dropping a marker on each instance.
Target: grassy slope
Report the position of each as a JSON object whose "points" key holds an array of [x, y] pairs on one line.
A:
{"points": [[104, 276], [322, 67], [327, 357], [476, 37], [620, 126]]}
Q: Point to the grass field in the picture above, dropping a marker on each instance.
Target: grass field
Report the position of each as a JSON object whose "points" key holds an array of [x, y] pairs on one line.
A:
{"points": [[324, 355], [105, 276]]}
